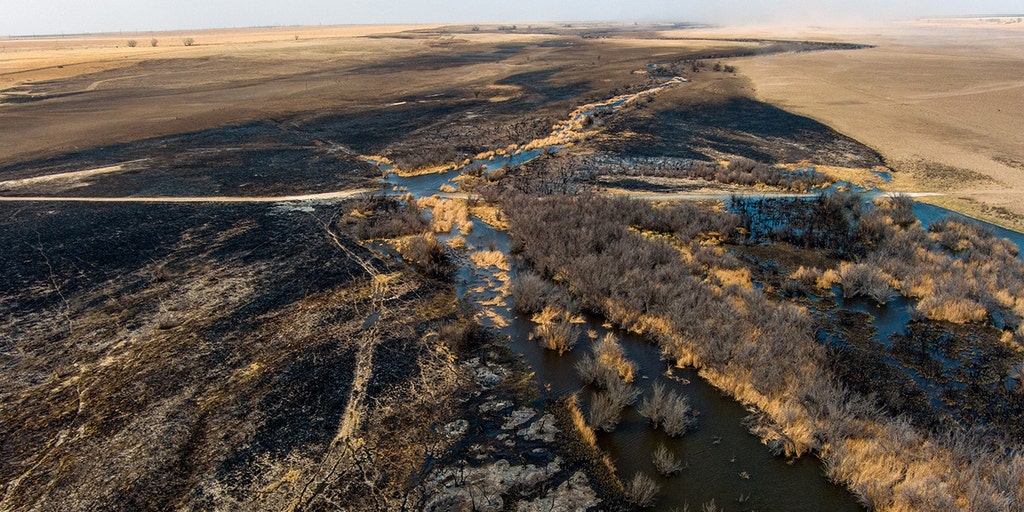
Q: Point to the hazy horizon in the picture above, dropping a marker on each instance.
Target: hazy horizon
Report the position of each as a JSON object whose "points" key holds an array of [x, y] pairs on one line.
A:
{"points": [[52, 17]]}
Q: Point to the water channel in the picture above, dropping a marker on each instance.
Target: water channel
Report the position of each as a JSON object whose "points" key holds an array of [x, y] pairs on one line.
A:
{"points": [[723, 461]]}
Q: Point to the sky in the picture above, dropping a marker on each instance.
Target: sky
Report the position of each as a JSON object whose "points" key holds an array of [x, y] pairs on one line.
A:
{"points": [[38, 17]]}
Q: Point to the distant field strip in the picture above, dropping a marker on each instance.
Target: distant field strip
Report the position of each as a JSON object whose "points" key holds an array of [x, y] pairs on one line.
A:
{"points": [[341, 194]]}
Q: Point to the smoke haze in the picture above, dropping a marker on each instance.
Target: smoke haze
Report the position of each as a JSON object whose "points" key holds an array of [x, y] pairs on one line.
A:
{"points": [[22, 17]]}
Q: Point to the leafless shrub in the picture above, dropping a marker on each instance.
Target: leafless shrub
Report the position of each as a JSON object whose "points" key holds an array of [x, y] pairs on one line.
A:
{"points": [[642, 490], [132, 43], [188, 41], [622, 393], [592, 372], [899, 208], [668, 410], [530, 292], [863, 279], [153, 42], [665, 461], [677, 420], [559, 335], [604, 412], [427, 254], [609, 354], [653, 408]]}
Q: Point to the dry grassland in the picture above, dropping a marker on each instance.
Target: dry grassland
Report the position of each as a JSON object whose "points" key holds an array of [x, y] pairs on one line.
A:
{"points": [[930, 97]]}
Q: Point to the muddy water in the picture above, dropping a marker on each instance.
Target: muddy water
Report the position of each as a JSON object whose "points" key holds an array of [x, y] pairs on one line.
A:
{"points": [[724, 461], [891, 318]]}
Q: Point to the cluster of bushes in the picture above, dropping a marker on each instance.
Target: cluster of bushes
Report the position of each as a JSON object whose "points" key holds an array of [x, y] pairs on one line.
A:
{"points": [[384, 217], [744, 171], [559, 174], [426, 156], [379, 216], [667, 410], [761, 351], [828, 222], [867, 280], [960, 271], [428, 254], [552, 174], [607, 369], [739, 171], [665, 461], [606, 364]]}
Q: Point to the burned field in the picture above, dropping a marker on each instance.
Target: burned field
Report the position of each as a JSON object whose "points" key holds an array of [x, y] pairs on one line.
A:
{"points": [[150, 340], [225, 356], [257, 159]]}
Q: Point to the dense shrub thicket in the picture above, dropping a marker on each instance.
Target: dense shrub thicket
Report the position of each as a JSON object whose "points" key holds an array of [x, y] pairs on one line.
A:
{"points": [[960, 271], [558, 173], [693, 300]]}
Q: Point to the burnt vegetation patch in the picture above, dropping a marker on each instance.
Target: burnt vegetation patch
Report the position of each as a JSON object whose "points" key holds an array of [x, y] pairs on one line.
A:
{"points": [[969, 367], [179, 354], [254, 159], [734, 126], [952, 366]]}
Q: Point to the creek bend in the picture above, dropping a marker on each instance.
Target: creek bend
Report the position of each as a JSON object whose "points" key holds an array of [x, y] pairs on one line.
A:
{"points": [[724, 461]]}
